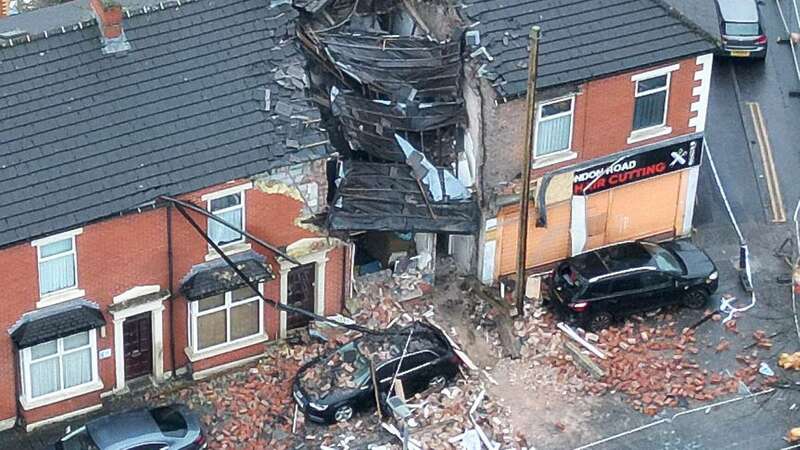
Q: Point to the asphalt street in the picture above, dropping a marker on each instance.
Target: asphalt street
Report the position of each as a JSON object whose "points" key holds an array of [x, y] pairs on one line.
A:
{"points": [[731, 133]]}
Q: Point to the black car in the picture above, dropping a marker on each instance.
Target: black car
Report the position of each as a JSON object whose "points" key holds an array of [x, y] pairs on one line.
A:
{"points": [[171, 427], [594, 288], [333, 387]]}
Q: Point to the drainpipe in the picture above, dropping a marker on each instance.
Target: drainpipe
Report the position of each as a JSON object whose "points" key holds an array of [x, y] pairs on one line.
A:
{"points": [[170, 274]]}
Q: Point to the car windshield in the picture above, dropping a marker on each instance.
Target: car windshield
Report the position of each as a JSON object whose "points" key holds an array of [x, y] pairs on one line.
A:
{"points": [[77, 440], [351, 355], [346, 368], [741, 29], [663, 259]]}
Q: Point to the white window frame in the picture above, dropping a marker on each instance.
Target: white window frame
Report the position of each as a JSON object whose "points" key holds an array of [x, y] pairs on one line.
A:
{"points": [[240, 189], [539, 120], [194, 313], [67, 293], [26, 360], [665, 88]]}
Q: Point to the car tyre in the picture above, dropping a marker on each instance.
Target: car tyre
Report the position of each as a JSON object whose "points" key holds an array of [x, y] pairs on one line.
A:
{"points": [[437, 383], [695, 298], [343, 413], [599, 321]]}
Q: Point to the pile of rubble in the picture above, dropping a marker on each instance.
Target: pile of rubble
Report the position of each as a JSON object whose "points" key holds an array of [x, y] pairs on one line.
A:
{"points": [[657, 367], [250, 408], [654, 366], [460, 415]]}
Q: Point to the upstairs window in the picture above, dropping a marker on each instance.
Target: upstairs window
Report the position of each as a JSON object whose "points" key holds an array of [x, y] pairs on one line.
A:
{"points": [[229, 208], [651, 102], [57, 266], [554, 127]]}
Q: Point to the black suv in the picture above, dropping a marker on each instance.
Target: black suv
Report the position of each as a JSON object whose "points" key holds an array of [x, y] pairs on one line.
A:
{"points": [[596, 287], [333, 387]]}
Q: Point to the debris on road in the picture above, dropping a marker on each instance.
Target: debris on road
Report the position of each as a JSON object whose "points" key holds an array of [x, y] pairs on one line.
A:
{"points": [[789, 361]]}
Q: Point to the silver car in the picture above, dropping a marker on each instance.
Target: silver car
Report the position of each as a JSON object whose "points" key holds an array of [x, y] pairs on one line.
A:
{"points": [[741, 30], [172, 427]]}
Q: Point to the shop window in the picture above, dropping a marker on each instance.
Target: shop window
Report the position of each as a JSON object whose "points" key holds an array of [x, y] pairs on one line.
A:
{"points": [[57, 266], [650, 108], [554, 127], [229, 208], [59, 367], [226, 318]]}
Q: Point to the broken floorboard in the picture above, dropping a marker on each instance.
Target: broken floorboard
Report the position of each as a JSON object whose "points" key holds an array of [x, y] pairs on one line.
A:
{"points": [[583, 361]]}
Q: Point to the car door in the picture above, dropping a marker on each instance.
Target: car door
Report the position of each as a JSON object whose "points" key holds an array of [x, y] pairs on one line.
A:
{"points": [[630, 293], [659, 287]]}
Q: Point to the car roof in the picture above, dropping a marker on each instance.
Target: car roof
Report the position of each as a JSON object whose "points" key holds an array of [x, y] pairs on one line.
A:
{"points": [[614, 258], [124, 429], [738, 10]]}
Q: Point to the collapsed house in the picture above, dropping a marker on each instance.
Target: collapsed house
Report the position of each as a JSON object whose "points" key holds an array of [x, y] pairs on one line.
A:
{"points": [[388, 85]]}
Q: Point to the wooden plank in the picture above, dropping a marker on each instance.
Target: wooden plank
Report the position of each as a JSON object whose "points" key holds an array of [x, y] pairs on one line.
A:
{"points": [[584, 362]]}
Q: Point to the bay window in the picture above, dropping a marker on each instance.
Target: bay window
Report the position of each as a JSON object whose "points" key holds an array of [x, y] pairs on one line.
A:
{"points": [[226, 318], [59, 367]]}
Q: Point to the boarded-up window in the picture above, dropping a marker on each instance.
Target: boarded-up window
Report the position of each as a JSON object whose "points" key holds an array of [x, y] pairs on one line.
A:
{"points": [[545, 245]]}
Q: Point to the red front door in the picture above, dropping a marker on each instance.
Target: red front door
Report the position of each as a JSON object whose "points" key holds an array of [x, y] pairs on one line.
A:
{"points": [[137, 341]]}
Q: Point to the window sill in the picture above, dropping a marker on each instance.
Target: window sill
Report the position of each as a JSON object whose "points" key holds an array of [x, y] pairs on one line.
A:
{"points": [[555, 158], [230, 249], [648, 133], [226, 348], [59, 296], [60, 396]]}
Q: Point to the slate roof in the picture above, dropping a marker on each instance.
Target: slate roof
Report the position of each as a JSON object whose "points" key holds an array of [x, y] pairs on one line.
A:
{"points": [[581, 39], [85, 135]]}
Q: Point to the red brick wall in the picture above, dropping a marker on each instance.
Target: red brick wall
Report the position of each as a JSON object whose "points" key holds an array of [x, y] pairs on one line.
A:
{"points": [[117, 254], [602, 122]]}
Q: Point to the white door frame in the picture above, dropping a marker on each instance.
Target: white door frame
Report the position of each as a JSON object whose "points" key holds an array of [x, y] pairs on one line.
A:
{"points": [[155, 307]]}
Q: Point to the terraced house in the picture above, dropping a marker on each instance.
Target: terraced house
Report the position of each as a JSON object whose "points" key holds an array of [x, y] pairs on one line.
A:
{"points": [[105, 283], [622, 93]]}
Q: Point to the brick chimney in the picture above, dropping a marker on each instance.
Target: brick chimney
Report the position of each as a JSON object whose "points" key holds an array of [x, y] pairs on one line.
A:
{"points": [[108, 14]]}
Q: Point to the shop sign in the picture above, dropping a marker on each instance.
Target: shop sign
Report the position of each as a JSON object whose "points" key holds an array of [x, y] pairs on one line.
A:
{"points": [[637, 167]]}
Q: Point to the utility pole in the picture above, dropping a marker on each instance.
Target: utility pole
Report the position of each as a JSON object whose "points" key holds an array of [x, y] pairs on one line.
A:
{"points": [[527, 149]]}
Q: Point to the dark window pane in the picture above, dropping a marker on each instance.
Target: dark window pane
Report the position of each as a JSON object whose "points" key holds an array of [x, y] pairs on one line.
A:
{"points": [[169, 421], [225, 202], [651, 83], [649, 110], [597, 290], [628, 283], [742, 29], [556, 108], [653, 279]]}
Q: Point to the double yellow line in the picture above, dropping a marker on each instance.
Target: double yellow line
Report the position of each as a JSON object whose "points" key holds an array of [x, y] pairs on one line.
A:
{"points": [[770, 173]]}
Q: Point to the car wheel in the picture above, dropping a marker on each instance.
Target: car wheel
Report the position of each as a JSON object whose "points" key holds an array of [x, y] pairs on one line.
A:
{"points": [[437, 383], [343, 414], [695, 299], [599, 321]]}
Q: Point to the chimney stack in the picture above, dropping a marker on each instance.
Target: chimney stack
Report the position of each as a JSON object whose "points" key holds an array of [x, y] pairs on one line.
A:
{"points": [[108, 14]]}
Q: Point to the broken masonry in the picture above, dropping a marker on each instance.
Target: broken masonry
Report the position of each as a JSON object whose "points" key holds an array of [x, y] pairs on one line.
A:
{"points": [[388, 87]]}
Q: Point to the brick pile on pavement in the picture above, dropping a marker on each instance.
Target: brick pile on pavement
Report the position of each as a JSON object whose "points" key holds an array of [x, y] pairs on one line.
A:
{"points": [[249, 408], [655, 366]]}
